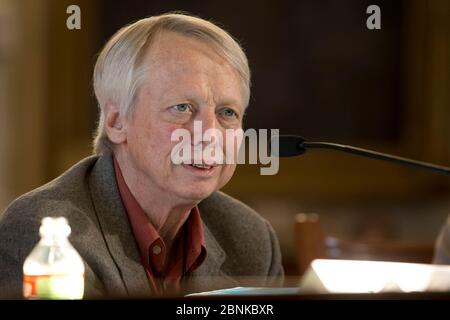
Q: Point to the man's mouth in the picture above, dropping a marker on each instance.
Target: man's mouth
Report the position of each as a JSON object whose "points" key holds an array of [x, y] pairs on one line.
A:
{"points": [[202, 169], [201, 166]]}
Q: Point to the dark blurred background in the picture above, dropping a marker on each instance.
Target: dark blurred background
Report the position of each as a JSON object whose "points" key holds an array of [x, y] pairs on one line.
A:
{"points": [[316, 71]]}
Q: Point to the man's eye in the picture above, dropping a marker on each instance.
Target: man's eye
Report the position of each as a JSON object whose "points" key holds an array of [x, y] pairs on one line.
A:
{"points": [[182, 107], [228, 113]]}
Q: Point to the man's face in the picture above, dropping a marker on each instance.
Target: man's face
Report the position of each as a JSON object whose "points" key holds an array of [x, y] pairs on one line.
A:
{"points": [[187, 81]]}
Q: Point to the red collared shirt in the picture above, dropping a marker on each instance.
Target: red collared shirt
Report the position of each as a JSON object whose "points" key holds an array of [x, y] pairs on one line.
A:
{"points": [[189, 246]]}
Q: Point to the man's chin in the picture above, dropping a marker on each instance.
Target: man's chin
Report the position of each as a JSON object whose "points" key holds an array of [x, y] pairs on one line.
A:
{"points": [[192, 191], [197, 195]]}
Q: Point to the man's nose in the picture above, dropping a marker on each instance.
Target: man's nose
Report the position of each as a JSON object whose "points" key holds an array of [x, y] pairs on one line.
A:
{"points": [[204, 121], [208, 119]]}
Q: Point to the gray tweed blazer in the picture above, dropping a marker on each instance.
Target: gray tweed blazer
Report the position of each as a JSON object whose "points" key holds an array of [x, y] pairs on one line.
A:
{"points": [[239, 243]]}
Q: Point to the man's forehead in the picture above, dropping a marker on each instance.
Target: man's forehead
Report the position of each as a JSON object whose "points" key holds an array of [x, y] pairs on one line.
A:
{"points": [[183, 67], [173, 47], [177, 59]]}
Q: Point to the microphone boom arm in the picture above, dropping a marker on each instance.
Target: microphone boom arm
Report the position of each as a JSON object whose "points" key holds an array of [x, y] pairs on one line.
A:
{"points": [[373, 154]]}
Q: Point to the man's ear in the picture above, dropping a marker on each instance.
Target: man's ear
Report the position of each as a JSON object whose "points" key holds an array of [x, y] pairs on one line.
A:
{"points": [[115, 124]]}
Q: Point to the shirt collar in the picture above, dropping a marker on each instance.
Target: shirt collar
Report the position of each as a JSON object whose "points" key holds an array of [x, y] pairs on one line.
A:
{"points": [[146, 234]]}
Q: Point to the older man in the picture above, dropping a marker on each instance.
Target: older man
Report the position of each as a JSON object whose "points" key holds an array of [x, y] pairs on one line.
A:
{"points": [[143, 224]]}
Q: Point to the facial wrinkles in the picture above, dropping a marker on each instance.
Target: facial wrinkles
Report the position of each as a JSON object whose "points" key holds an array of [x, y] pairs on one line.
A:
{"points": [[183, 65]]}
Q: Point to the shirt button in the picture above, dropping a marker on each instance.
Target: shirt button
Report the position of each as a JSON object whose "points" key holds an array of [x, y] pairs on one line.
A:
{"points": [[156, 249]]}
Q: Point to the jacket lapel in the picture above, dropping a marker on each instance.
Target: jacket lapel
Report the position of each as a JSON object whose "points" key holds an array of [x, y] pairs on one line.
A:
{"points": [[116, 227], [209, 274]]}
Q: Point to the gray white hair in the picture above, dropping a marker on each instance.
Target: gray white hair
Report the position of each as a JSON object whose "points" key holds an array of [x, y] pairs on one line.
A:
{"points": [[118, 72]]}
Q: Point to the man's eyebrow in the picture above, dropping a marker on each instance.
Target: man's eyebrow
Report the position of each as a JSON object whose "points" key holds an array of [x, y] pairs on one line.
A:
{"points": [[228, 101], [169, 100]]}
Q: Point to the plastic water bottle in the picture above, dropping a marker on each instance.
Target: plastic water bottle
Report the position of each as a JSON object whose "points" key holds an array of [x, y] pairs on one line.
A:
{"points": [[54, 269]]}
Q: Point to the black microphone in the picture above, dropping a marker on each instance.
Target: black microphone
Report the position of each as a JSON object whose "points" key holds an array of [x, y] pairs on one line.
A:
{"points": [[291, 145]]}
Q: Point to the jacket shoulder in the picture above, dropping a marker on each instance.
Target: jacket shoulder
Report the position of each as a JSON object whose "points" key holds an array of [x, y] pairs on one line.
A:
{"points": [[60, 197], [64, 188]]}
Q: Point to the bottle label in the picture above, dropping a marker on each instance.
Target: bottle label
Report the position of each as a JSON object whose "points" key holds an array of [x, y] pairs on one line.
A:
{"points": [[64, 286]]}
